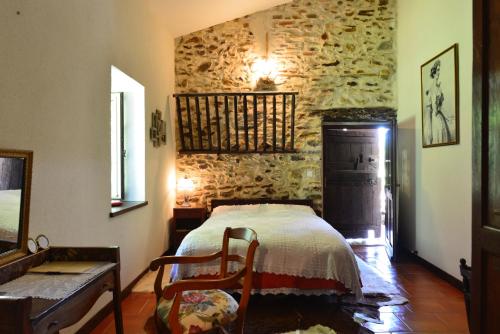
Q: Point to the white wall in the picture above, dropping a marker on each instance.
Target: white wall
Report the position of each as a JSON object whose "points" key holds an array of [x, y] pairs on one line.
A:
{"points": [[435, 192], [55, 68]]}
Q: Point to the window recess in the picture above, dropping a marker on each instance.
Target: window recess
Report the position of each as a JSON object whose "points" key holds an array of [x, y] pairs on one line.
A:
{"points": [[253, 122], [117, 147]]}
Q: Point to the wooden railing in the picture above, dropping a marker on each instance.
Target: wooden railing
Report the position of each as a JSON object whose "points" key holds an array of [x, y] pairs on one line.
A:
{"points": [[253, 122]]}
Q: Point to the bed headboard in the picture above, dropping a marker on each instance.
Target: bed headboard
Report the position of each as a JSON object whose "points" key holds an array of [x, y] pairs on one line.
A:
{"points": [[242, 201]]}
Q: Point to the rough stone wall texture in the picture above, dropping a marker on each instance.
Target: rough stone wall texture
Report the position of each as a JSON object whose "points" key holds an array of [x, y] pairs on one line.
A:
{"points": [[336, 54]]}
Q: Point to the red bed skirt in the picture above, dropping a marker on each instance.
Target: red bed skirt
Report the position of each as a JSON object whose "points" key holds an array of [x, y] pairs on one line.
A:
{"points": [[276, 281]]}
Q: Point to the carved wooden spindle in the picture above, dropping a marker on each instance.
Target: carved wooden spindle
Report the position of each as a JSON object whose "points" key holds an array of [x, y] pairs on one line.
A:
{"points": [[190, 125], [264, 122], [198, 122], [179, 121], [255, 128], [236, 138], [274, 123], [216, 103], [245, 120], [209, 126], [283, 125], [292, 124], [226, 113]]}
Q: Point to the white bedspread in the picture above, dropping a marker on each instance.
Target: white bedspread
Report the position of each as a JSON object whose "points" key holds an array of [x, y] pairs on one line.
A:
{"points": [[293, 241]]}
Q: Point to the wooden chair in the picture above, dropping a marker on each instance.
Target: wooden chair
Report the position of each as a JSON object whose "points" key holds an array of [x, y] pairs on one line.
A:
{"points": [[178, 302]]}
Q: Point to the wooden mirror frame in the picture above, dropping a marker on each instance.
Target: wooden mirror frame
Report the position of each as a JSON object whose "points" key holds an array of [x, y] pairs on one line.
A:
{"points": [[11, 255]]}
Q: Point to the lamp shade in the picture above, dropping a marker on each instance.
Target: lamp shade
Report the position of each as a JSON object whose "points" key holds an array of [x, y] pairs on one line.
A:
{"points": [[265, 68], [185, 184]]}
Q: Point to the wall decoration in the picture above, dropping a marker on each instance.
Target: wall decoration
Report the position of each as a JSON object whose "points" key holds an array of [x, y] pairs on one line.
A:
{"points": [[158, 130], [439, 92]]}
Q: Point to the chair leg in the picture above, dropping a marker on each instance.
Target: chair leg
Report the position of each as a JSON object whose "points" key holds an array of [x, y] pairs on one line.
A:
{"points": [[239, 325], [222, 330], [160, 326]]}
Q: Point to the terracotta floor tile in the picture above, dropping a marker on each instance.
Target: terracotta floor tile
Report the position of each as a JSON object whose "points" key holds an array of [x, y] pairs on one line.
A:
{"points": [[149, 307], [135, 303], [103, 326], [454, 321], [422, 322], [426, 305], [457, 306]]}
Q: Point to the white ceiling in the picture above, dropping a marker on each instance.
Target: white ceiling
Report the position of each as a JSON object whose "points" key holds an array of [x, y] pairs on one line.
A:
{"points": [[186, 16]]}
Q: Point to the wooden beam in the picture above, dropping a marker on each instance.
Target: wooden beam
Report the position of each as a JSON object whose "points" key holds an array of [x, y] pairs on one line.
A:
{"points": [[235, 94]]}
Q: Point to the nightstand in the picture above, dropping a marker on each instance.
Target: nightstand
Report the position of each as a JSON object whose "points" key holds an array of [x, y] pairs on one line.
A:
{"points": [[185, 219]]}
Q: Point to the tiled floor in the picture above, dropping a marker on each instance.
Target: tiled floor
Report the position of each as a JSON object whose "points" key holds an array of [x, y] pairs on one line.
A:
{"points": [[434, 305]]}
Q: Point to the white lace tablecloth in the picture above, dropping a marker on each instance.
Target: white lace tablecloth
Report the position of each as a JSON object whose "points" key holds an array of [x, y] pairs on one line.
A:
{"points": [[50, 286]]}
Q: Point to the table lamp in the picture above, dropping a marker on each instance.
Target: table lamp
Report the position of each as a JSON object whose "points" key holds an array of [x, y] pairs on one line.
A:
{"points": [[185, 185]]}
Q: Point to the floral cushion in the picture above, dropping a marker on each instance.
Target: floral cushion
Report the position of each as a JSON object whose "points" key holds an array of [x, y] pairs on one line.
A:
{"points": [[201, 310]]}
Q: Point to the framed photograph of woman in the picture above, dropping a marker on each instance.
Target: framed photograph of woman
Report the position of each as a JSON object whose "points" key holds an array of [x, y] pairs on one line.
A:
{"points": [[439, 80]]}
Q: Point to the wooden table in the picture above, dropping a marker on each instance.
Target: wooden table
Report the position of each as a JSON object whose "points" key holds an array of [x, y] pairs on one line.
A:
{"points": [[38, 315]]}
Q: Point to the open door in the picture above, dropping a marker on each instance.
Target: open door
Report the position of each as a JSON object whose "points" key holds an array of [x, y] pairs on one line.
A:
{"points": [[352, 186], [351, 191], [391, 192], [485, 289]]}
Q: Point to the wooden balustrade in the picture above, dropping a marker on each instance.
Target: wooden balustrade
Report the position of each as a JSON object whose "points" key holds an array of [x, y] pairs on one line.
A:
{"points": [[240, 121]]}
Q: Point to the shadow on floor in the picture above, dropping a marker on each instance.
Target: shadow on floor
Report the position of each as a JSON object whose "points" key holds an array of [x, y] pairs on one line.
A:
{"points": [[290, 313]]}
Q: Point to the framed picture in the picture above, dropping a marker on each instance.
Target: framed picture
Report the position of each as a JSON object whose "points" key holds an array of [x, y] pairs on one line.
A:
{"points": [[439, 91]]}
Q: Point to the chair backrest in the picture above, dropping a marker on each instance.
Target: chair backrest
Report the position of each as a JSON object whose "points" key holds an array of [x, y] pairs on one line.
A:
{"points": [[246, 262]]}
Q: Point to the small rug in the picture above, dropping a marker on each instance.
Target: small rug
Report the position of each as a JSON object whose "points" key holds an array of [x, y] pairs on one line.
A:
{"points": [[318, 329], [377, 292]]}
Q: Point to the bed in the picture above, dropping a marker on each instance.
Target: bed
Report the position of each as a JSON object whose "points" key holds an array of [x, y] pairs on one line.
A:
{"points": [[299, 252]]}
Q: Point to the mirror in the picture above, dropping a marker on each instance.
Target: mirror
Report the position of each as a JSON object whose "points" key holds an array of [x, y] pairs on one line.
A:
{"points": [[15, 186]]}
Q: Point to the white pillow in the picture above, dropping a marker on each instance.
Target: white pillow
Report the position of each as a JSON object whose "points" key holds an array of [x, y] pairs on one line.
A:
{"points": [[234, 208], [248, 208], [288, 207]]}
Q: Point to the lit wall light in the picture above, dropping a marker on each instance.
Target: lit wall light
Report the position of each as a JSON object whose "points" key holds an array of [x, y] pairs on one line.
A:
{"points": [[265, 71], [186, 186]]}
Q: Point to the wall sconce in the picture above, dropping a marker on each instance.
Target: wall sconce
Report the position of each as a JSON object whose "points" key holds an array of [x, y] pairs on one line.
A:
{"points": [[264, 71], [186, 185]]}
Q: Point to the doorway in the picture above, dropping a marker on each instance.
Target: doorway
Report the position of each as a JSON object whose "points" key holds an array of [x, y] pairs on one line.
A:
{"points": [[359, 181]]}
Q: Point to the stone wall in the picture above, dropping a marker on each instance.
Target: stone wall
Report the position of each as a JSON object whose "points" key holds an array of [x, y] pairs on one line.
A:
{"points": [[336, 54]]}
